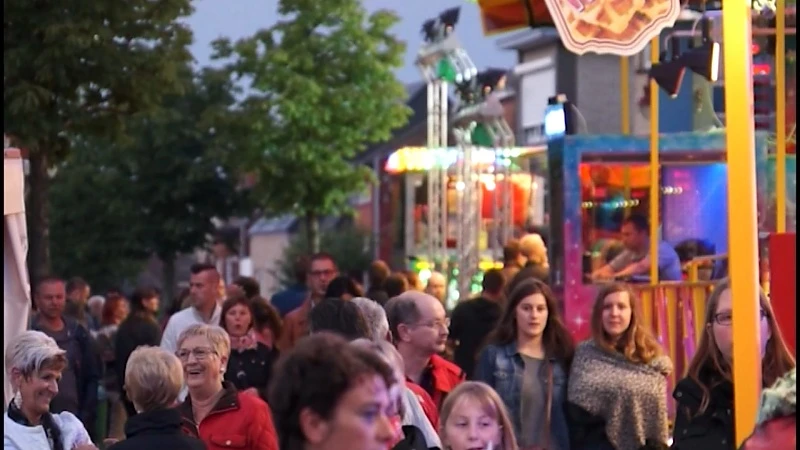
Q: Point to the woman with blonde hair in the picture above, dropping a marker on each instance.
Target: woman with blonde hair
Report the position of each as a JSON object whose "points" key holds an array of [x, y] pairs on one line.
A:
{"points": [[618, 379], [704, 416], [34, 364], [473, 416], [153, 380]]}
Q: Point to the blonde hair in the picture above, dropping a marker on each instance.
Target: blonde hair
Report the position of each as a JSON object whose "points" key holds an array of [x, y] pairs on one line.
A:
{"points": [[153, 378], [532, 247], [491, 403], [216, 335], [33, 351]]}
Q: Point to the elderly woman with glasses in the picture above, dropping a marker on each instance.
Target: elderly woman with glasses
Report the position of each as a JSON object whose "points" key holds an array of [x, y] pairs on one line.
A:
{"points": [[34, 364], [214, 411]]}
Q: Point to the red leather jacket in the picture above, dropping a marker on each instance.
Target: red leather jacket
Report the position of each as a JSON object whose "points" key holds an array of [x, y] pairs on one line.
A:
{"points": [[779, 433]]}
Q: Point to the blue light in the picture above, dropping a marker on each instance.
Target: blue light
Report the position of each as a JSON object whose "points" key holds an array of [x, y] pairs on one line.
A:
{"points": [[555, 121]]}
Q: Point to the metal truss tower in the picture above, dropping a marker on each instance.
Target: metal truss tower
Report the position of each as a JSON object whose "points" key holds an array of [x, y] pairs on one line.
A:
{"points": [[441, 61]]}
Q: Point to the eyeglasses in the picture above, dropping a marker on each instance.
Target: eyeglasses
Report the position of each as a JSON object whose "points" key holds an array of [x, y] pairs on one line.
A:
{"points": [[438, 324], [322, 273], [200, 354], [725, 319]]}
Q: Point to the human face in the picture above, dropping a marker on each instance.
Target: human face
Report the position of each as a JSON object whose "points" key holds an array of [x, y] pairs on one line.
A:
{"points": [[429, 334], [238, 320], [470, 427], [531, 316], [616, 314], [79, 295], [50, 299], [437, 287], [151, 304], [321, 272], [631, 237], [202, 366], [37, 390], [360, 421], [204, 289], [721, 327]]}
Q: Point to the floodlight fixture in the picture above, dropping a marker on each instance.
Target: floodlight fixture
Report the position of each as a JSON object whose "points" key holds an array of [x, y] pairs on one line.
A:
{"points": [[429, 30], [492, 80], [449, 18], [668, 74], [704, 60]]}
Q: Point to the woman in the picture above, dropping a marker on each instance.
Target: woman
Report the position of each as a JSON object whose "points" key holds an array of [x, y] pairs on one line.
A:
{"points": [[215, 411], [418, 432], [705, 397], [34, 364], [139, 328], [618, 378], [474, 417], [343, 287], [777, 420], [250, 363], [115, 310], [266, 322], [527, 361], [330, 395], [153, 380]]}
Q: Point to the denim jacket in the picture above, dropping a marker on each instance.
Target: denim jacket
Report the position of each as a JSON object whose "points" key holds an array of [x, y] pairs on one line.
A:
{"points": [[502, 368]]}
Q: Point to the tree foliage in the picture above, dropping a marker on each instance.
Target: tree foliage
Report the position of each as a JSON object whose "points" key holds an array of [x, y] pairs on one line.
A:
{"points": [[117, 204], [75, 70], [322, 89]]}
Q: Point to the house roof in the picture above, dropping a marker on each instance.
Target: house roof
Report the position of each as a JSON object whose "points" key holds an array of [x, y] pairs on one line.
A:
{"points": [[529, 39]]}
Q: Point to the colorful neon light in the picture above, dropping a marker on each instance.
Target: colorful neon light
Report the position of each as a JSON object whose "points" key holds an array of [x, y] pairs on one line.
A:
{"points": [[420, 159]]}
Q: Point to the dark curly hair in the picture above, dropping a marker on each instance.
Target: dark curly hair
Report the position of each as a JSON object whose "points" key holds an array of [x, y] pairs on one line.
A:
{"points": [[315, 376], [338, 316]]}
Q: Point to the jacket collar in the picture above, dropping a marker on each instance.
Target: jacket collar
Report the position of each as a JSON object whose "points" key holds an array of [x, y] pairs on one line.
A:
{"points": [[228, 402], [160, 421]]}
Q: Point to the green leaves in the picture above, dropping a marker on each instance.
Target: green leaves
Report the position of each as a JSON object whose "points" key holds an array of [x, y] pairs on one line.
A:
{"points": [[322, 90]]}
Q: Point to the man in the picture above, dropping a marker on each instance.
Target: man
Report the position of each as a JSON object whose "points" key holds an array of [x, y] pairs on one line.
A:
{"points": [[339, 316], [437, 287], [419, 327], [473, 320], [244, 286], [77, 388], [534, 252], [635, 259], [293, 297], [513, 261], [322, 269], [78, 292], [205, 307]]}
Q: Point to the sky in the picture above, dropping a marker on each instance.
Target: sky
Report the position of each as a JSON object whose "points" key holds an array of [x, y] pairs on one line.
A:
{"points": [[240, 18]]}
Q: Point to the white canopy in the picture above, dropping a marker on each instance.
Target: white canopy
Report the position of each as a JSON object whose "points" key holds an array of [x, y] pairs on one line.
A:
{"points": [[16, 286]]}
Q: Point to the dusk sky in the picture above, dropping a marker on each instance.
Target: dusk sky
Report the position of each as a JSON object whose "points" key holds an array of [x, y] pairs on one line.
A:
{"points": [[240, 18]]}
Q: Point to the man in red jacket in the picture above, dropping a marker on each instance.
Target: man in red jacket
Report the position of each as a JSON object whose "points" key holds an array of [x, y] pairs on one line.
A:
{"points": [[418, 324]]}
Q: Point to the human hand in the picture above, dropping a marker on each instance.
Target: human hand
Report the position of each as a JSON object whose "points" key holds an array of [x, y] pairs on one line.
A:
{"points": [[109, 442]]}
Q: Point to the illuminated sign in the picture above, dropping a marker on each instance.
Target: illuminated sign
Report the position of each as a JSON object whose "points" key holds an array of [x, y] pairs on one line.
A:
{"points": [[616, 27], [421, 159]]}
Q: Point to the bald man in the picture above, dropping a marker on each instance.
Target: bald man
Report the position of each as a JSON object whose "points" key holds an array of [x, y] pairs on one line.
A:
{"points": [[419, 328], [437, 287]]}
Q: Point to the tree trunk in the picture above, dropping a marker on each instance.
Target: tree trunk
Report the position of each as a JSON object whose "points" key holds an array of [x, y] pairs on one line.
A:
{"points": [[312, 231], [38, 215], [168, 280]]}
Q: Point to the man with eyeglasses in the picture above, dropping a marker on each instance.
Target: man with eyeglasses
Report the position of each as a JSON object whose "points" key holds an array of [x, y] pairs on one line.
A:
{"points": [[322, 269], [419, 328]]}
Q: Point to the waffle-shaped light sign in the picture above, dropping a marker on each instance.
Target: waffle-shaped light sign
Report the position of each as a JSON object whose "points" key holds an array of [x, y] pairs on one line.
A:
{"points": [[615, 27]]}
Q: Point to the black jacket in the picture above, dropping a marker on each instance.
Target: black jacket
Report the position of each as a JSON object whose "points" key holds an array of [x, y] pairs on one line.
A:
{"points": [[713, 429], [138, 329], [470, 323], [413, 439], [586, 431], [251, 368], [159, 429]]}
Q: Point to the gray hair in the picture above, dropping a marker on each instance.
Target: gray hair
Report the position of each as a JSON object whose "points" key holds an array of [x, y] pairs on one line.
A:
{"points": [[404, 309], [217, 337], [153, 378], [32, 351], [375, 316]]}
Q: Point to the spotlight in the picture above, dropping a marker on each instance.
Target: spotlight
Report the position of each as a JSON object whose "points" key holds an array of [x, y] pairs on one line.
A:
{"points": [[669, 74], [491, 80], [468, 91], [435, 30], [429, 30], [704, 60], [449, 18]]}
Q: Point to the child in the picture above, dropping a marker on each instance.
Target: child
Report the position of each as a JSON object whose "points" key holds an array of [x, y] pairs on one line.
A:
{"points": [[473, 416]]}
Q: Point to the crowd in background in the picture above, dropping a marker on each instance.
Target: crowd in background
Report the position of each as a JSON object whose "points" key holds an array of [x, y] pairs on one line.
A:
{"points": [[337, 363]]}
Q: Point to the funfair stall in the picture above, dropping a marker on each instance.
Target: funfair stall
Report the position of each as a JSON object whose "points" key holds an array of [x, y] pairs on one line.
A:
{"points": [[16, 288]]}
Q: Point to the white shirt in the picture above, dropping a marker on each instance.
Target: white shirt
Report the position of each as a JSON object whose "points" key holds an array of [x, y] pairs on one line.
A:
{"points": [[182, 320], [21, 437]]}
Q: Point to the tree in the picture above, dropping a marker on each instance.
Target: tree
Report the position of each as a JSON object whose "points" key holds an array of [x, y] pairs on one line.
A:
{"points": [[74, 70], [155, 194], [322, 90]]}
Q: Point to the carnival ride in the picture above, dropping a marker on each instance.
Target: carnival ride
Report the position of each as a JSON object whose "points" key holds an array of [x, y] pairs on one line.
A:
{"points": [[472, 190], [673, 309]]}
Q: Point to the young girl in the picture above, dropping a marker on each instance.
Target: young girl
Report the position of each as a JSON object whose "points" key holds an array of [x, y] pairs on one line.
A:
{"points": [[704, 415], [473, 417]]}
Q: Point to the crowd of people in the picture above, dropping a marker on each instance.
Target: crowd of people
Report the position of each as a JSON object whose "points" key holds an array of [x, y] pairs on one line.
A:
{"points": [[329, 365]]}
